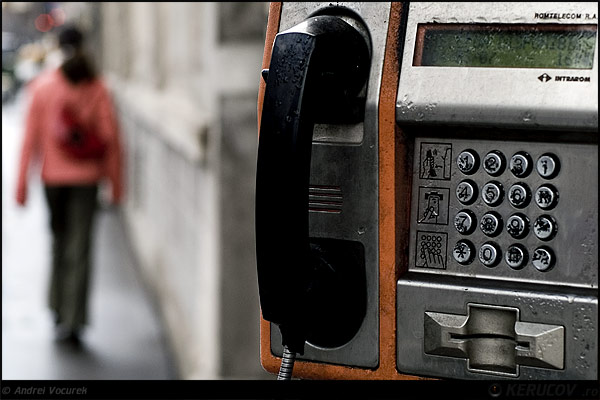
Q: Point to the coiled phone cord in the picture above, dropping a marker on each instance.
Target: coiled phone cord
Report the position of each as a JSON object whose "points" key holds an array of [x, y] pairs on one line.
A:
{"points": [[287, 365]]}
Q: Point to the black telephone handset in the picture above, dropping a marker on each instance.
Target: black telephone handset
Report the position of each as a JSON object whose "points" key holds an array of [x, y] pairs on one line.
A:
{"points": [[318, 69]]}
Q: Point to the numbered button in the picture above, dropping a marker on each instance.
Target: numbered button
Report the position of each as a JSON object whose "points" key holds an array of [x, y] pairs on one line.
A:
{"points": [[520, 164], [516, 256], [489, 254], [466, 192], [548, 166], [492, 193], [465, 222], [494, 163], [491, 224], [517, 226], [467, 162], [546, 197], [519, 195], [544, 227], [543, 259], [463, 252]]}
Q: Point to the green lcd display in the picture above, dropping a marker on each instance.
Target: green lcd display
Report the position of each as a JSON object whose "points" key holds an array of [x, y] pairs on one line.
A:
{"points": [[506, 46]]}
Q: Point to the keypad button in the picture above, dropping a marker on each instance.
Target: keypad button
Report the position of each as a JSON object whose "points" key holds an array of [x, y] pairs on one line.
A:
{"points": [[490, 254], [520, 164], [519, 195], [494, 163], [546, 197], [543, 259], [465, 222], [466, 192], [467, 162], [548, 166], [544, 227], [516, 256], [491, 224], [463, 252], [492, 193], [517, 226]]}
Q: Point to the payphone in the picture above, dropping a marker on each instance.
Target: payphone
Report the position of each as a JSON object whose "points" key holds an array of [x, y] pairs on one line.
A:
{"points": [[427, 181]]}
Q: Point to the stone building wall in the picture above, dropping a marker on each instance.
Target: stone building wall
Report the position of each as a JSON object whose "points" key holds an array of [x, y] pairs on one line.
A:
{"points": [[185, 79]]}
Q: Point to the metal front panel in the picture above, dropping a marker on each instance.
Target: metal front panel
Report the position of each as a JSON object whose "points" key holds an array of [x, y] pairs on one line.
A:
{"points": [[468, 318], [569, 322], [575, 244], [345, 163], [499, 96]]}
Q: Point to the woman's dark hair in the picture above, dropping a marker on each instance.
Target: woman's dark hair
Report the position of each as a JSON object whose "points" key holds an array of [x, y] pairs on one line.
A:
{"points": [[77, 68]]}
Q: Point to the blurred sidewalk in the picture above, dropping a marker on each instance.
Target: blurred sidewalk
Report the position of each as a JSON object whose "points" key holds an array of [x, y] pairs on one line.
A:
{"points": [[124, 339]]}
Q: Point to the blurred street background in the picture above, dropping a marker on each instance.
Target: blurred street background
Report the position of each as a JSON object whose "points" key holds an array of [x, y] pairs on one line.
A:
{"points": [[174, 292]]}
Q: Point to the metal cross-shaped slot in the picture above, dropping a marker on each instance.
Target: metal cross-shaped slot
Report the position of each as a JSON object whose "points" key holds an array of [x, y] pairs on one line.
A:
{"points": [[493, 340]]}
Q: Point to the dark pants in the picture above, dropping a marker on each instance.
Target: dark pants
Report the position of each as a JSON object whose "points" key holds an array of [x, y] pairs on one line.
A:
{"points": [[72, 211]]}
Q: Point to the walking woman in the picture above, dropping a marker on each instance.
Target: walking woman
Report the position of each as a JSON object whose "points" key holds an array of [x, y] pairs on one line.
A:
{"points": [[71, 128]]}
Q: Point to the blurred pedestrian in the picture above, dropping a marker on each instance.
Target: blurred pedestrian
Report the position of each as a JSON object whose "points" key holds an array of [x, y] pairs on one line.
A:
{"points": [[71, 127]]}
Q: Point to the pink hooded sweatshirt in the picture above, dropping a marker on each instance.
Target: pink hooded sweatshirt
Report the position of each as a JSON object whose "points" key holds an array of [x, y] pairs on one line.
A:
{"points": [[49, 92]]}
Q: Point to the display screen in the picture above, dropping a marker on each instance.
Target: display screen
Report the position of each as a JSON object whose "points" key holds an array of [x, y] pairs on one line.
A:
{"points": [[506, 45]]}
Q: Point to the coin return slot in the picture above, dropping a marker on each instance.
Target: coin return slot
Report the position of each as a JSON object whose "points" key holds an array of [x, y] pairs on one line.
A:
{"points": [[493, 340], [455, 336]]}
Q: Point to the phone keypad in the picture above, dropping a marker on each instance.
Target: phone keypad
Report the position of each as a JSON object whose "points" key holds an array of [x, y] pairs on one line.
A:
{"points": [[511, 210], [519, 196]]}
